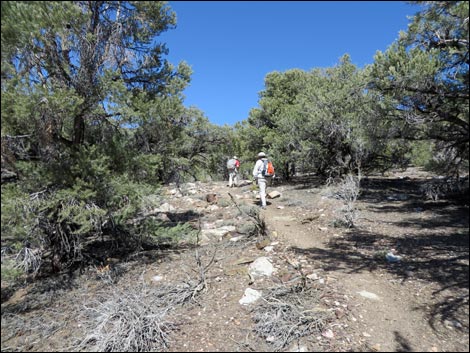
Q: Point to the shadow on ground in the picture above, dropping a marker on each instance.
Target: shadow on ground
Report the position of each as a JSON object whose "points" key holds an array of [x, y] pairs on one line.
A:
{"points": [[435, 251]]}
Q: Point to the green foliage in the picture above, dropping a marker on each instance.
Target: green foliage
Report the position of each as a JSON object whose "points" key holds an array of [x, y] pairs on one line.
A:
{"points": [[146, 165], [126, 198], [313, 121], [424, 77], [10, 273], [22, 239], [224, 202], [99, 134], [421, 153], [18, 224], [74, 210], [172, 235], [341, 119], [64, 220], [247, 228], [71, 102]]}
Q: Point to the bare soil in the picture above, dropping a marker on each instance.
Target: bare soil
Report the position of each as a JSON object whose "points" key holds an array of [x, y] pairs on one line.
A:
{"points": [[419, 303]]}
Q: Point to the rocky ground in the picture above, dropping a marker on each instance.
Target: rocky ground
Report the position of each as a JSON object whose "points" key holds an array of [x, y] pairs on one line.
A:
{"points": [[396, 281]]}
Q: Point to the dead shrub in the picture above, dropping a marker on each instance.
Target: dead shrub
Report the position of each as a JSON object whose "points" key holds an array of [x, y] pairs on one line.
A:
{"points": [[136, 319], [288, 313], [347, 190]]}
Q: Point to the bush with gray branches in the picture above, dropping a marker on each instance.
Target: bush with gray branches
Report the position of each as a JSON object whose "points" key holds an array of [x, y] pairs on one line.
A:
{"points": [[135, 319], [347, 190], [288, 313]]}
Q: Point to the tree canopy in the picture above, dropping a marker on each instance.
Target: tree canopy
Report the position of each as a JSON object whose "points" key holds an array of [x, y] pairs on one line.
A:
{"points": [[425, 77]]}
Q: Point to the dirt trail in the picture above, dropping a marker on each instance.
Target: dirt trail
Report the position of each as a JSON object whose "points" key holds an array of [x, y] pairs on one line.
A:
{"points": [[393, 306], [383, 320]]}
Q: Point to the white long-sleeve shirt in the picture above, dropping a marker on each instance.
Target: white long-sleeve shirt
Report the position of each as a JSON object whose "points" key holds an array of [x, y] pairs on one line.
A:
{"points": [[257, 170]]}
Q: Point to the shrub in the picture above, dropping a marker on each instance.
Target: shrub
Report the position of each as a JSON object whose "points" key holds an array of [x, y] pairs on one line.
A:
{"points": [[347, 191]]}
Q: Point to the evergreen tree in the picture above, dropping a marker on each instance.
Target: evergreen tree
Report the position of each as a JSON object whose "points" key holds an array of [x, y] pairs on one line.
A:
{"points": [[425, 77], [78, 80]]}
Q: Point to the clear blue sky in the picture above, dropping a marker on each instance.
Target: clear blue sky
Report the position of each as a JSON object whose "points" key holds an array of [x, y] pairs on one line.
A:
{"points": [[232, 45]]}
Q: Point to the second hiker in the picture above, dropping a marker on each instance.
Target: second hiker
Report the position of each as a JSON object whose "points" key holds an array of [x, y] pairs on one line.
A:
{"points": [[233, 165]]}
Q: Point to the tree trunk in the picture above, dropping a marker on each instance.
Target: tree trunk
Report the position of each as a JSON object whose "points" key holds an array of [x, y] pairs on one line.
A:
{"points": [[286, 171], [78, 130]]}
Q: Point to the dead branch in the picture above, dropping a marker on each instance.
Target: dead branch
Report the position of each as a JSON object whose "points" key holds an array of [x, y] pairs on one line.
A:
{"points": [[202, 269]]}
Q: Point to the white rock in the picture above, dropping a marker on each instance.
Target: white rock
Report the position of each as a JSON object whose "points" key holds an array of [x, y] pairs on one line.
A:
{"points": [[261, 267], [274, 194], [391, 257], [313, 276], [369, 295], [328, 334], [234, 239], [166, 207], [216, 234], [250, 296], [213, 207]]}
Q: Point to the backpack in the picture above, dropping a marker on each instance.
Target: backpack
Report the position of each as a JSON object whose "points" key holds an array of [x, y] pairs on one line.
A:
{"points": [[268, 169], [231, 164]]}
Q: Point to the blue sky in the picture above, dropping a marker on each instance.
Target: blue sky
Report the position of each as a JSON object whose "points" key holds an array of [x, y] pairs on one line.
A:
{"points": [[232, 45]]}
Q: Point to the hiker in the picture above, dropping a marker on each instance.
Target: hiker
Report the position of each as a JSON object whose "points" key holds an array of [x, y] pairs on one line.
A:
{"points": [[261, 177], [233, 165]]}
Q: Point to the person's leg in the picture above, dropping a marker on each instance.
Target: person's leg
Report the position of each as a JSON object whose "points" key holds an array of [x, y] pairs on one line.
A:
{"points": [[262, 191], [230, 179], [235, 179]]}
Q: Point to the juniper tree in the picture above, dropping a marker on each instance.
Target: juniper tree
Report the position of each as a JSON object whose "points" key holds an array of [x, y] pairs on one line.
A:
{"points": [[424, 76]]}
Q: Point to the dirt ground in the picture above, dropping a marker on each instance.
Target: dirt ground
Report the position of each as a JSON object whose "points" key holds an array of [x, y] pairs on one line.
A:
{"points": [[417, 303]]}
